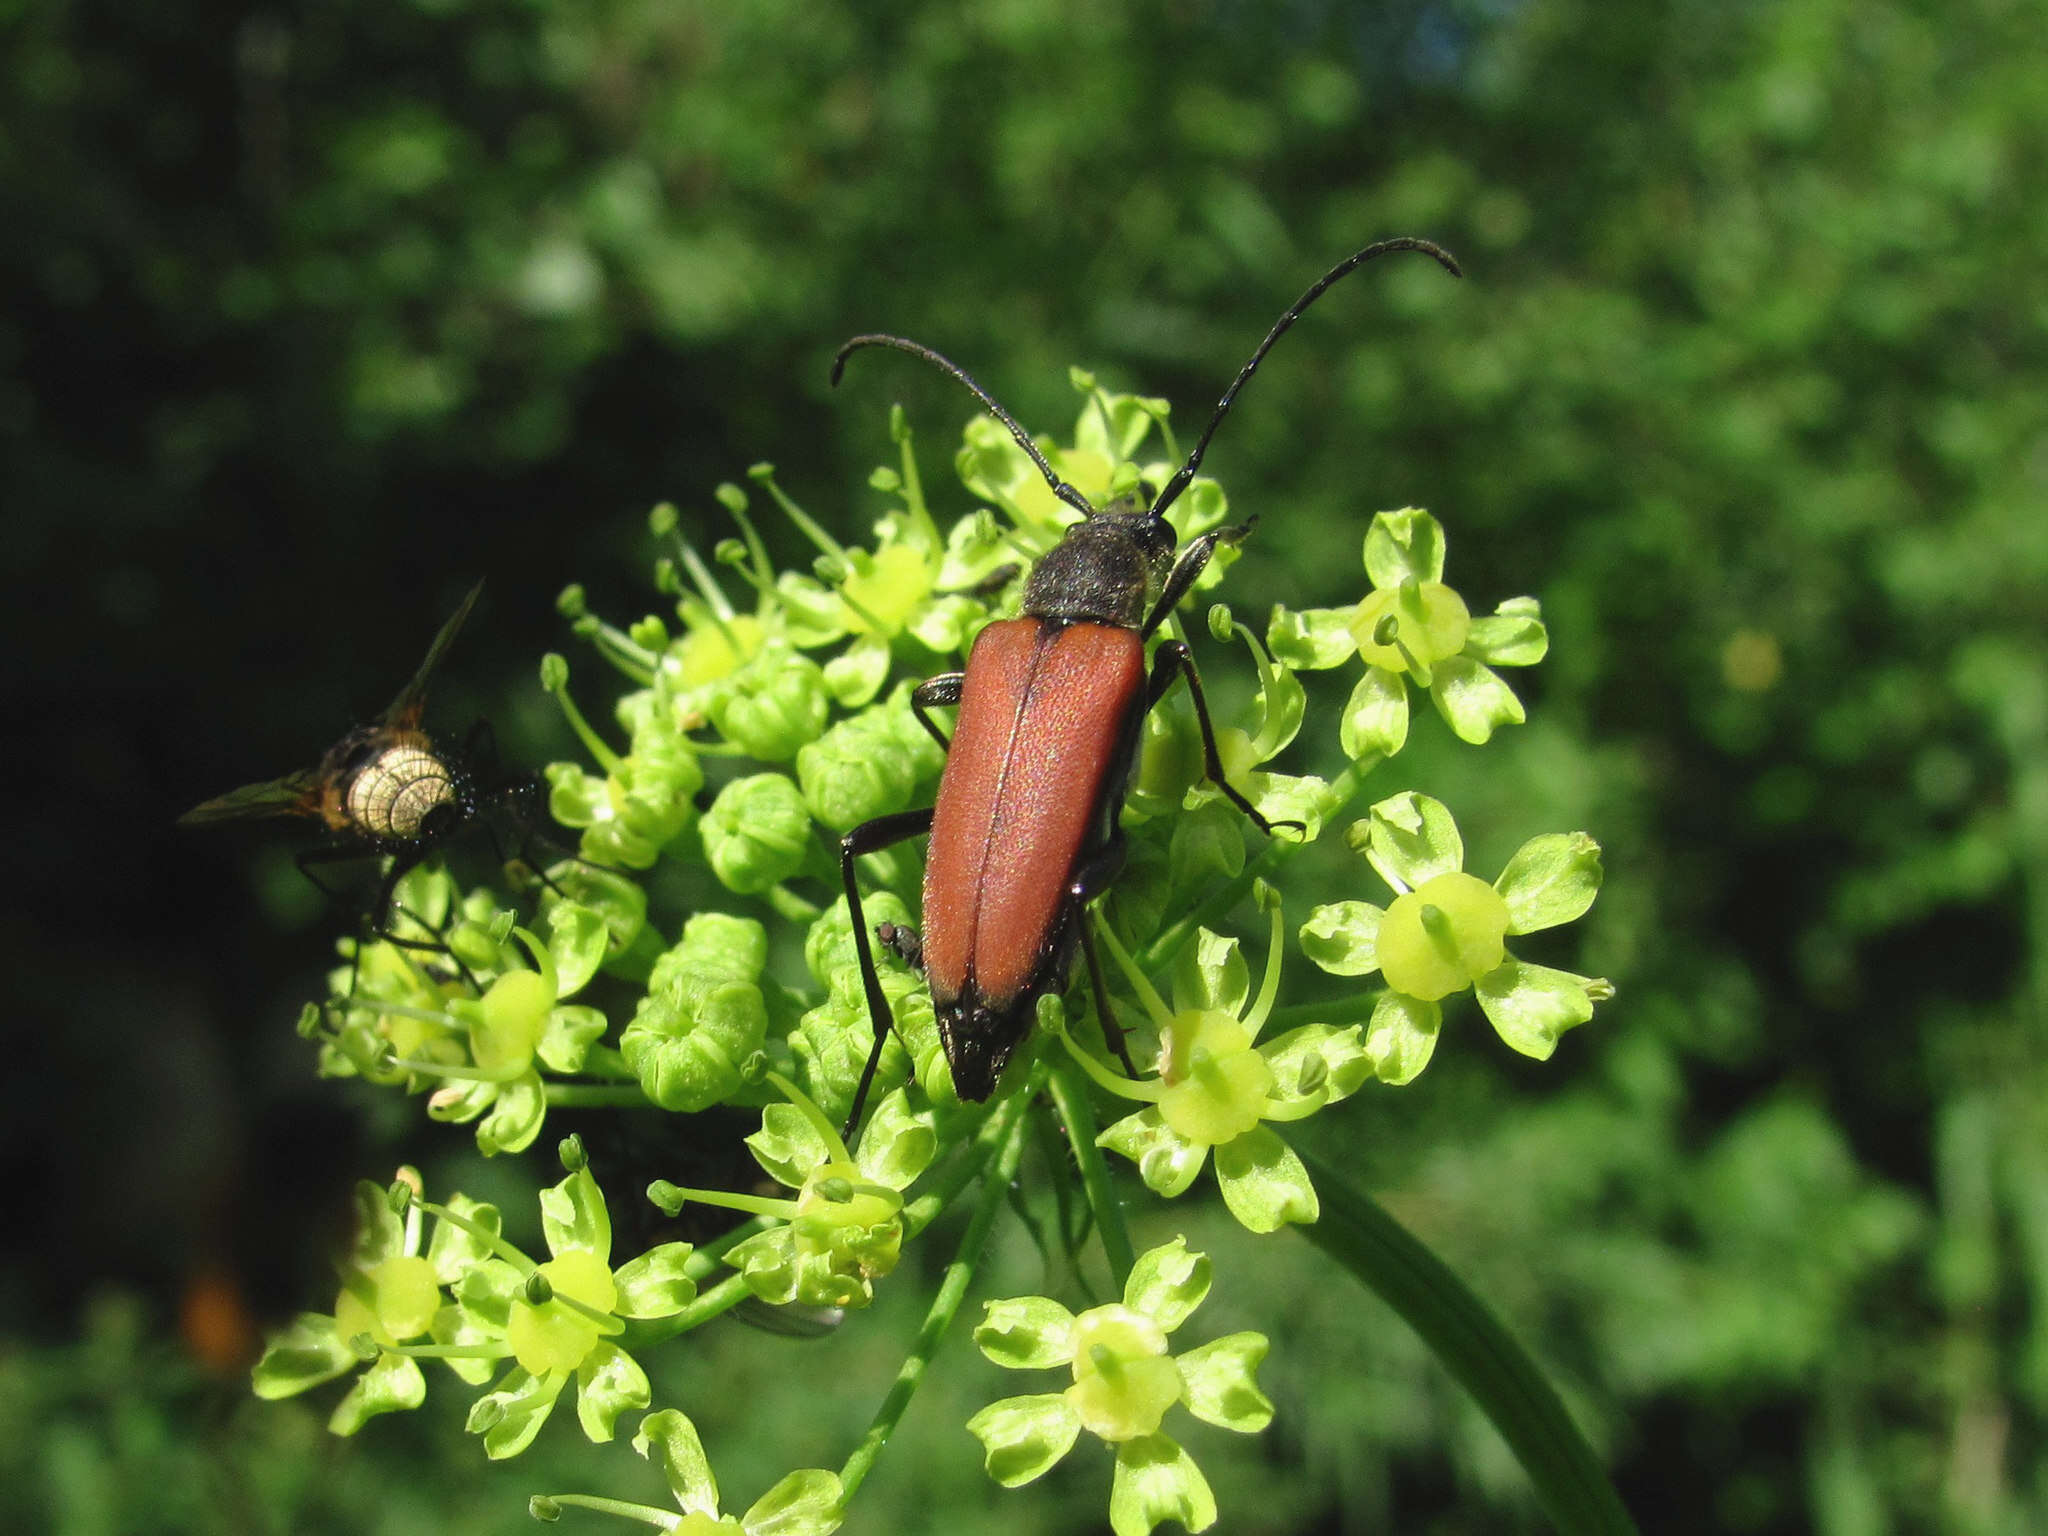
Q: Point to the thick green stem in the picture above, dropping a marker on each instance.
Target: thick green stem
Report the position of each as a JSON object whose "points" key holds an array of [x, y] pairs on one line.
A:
{"points": [[952, 1289], [1077, 1113], [596, 1096]]}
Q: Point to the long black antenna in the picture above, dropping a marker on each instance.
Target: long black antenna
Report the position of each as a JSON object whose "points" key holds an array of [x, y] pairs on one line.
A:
{"points": [[1060, 488], [1186, 472]]}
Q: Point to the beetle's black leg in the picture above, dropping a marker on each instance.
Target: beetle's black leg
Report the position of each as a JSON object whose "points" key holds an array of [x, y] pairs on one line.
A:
{"points": [[1189, 565], [1093, 878], [941, 692], [1174, 659], [871, 837]]}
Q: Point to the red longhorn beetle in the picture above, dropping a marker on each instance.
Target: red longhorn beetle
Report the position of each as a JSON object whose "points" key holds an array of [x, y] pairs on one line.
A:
{"points": [[1024, 833]]}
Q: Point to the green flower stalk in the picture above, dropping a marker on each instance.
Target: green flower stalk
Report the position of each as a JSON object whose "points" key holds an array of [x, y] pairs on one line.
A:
{"points": [[1411, 628], [1124, 1381], [1446, 930], [1217, 1086]]}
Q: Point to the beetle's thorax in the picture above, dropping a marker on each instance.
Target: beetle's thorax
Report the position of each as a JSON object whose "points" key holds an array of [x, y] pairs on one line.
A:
{"points": [[1107, 570]]}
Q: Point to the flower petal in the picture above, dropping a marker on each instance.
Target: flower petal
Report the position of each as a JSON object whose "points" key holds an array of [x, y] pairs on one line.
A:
{"points": [[1310, 639], [1473, 700], [608, 1382], [1222, 1385], [392, 1383], [669, 1440], [1375, 718], [1407, 545], [1339, 937], [1156, 1481], [1264, 1183], [1167, 1283], [1551, 880], [1167, 1161], [1531, 1005], [805, 1503], [1022, 1437], [1409, 838], [1512, 636], [1402, 1037], [1026, 1333]]}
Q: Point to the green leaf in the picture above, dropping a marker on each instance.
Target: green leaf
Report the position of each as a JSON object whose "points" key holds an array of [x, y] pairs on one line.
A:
{"points": [[1310, 639], [806, 1502], [391, 1384], [1263, 1182], [669, 1440], [1026, 1333], [1473, 700], [1512, 636], [1551, 880], [1222, 1383], [608, 1382], [1022, 1437], [309, 1351], [1407, 545], [1530, 1006], [1485, 1359], [1410, 838], [573, 1215], [1156, 1481], [1340, 937], [655, 1284], [1375, 718], [1401, 1037], [1167, 1283]]}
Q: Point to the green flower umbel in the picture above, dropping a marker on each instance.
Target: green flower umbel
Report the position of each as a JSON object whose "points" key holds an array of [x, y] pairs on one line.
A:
{"points": [[1447, 931], [1411, 628], [1124, 1382]]}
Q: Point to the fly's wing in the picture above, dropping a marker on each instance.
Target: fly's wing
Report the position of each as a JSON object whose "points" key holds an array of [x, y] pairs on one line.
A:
{"points": [[404, 713], [296, 794]]}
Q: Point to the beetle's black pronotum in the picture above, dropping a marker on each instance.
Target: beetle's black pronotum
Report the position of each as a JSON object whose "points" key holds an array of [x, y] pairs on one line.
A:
{"points": [[1024, 832]]}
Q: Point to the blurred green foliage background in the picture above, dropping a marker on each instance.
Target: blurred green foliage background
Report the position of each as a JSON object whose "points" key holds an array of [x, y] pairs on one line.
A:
{"points": [[316, 312]]}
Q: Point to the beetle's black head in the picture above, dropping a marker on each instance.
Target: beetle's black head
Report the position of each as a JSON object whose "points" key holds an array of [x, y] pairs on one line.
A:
{"points": [[1106, 570], [979, 1040]]}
